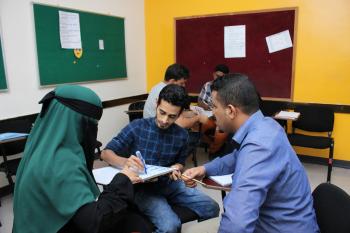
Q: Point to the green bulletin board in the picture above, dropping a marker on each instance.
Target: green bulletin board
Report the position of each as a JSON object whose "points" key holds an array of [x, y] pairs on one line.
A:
{"points": [[2, 71], [58, 65]]}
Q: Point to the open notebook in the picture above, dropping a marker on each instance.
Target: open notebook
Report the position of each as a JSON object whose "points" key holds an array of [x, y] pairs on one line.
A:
{"points": [[105, 175], [224, 180]]}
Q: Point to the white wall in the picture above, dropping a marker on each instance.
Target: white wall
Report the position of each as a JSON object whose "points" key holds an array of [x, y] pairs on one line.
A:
{"points": [[20, 58]]}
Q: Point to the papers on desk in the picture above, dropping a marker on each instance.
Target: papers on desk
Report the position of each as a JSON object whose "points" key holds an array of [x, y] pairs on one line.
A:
{"points": [[224, 180], [105, 175], [10, 135], [285, 115], [201, 110]]}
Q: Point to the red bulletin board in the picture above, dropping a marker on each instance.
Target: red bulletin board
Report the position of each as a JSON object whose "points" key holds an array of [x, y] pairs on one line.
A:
{"points": [[200, 47]]}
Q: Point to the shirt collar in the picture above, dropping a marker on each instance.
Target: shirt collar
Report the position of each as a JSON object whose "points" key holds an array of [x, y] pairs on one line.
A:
{"points": [[242, 132]]}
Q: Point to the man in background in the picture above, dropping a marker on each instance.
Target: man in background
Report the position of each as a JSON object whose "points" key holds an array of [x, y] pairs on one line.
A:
{"points": [[211, 134], [175, 74], [204, 98]]}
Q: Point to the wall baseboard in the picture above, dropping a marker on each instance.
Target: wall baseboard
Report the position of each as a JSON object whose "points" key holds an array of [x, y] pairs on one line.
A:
{"points": [[122, 101], [105, 104]]}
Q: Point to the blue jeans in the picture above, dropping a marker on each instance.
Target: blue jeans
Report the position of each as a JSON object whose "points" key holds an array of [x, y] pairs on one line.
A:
{"points": [[154, 200]]}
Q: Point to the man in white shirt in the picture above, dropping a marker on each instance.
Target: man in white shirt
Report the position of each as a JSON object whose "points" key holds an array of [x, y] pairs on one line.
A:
{"points": [[175, 74]]}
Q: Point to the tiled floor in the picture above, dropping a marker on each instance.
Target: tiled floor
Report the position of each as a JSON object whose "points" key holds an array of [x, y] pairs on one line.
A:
{"points": [[316, 174]]}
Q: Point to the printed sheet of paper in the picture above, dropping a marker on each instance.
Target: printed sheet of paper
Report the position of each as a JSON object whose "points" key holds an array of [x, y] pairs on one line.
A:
{"points": [[201, 110], [69, 30], [279, 41], [101, 44], [234, 41], [105, 175]]}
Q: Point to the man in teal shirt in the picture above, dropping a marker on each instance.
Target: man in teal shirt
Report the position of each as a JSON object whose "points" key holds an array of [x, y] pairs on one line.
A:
{"points": [[270, 191]]}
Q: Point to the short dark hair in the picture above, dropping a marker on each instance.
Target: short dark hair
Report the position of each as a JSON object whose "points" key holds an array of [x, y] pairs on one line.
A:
{"points": [[236, 89], [222, 68], [176, 71], [175, 95]]}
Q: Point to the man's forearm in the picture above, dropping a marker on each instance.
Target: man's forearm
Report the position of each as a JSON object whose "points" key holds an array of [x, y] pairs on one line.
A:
{"points": [[203, 105], [113, 159]]}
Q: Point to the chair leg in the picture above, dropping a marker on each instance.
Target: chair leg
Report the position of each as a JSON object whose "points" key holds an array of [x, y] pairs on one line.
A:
{"points": [[330, 163], [206, 148], [223, 194], [0, 222], [9, 179], [194, 157]]}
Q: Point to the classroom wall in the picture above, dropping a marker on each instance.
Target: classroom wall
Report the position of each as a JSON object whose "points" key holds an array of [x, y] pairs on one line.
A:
{"points": [[322, 51], [20, 57]]}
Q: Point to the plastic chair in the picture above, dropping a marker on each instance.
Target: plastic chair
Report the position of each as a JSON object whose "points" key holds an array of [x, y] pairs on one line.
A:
{"points": [[135, 110], [270, 108], [9, 165], [314, 119], [332, 208]]}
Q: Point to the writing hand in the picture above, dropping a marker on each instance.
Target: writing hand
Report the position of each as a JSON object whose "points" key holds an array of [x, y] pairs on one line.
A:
{"points": [[135, 164]]}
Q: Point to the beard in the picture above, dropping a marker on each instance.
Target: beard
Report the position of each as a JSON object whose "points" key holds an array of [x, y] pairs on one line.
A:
{"points": [[162, 126]]}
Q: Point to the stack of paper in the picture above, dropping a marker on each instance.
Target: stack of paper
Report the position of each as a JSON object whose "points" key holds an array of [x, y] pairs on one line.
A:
{"points": [[224, 180], [105, 175], [8, 136], [285, 115], [201, 110]]}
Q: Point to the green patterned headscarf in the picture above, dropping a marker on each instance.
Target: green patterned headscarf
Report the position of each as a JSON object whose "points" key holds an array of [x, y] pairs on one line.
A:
{"points": [[54, 177]]}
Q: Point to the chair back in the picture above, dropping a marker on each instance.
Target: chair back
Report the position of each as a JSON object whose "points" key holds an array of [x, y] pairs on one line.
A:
{"points": [[136, 106], [314, 118], [332, 207], [270, 108]]}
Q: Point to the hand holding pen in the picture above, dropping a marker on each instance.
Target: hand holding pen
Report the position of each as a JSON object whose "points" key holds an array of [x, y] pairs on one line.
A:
{"points": [[134, 163], [193, 176], [138, 154]]}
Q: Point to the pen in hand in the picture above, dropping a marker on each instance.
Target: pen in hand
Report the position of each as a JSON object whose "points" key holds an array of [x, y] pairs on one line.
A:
{"points": [[198, 181], [138, 154]]}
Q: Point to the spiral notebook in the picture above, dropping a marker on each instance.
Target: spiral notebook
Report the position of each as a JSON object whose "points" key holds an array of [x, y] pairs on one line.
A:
{"points": [[105, 175]]}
